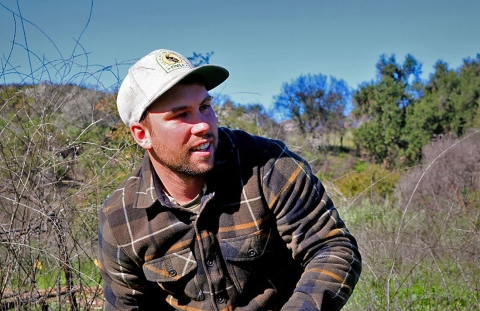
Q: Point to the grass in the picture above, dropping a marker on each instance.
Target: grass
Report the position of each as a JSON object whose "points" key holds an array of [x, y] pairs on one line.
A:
{"points": [[415, 259], [48, 277]]}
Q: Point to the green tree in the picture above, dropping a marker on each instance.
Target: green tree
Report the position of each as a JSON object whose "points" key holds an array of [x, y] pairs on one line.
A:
{"points": [[450, 103], [469, 95], [316, 105], [382, 105]]}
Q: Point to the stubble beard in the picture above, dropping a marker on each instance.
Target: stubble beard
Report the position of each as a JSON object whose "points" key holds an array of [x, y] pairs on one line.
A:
{"points": [[182, 164], [189, 169]]}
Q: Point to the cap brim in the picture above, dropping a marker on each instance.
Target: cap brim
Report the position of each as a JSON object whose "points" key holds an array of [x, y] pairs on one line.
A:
{"points": [[211, 75]]}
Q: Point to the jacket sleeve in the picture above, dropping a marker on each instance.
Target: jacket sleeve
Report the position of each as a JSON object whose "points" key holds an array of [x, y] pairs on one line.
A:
{"points": [[313, 230], [124, 284]]}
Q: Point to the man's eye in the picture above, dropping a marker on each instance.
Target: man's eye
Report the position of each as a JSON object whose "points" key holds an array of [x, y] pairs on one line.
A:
{"points": [[205, 106], [181, 115]]}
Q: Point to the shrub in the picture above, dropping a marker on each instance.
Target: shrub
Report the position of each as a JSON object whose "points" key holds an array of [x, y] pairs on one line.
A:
{"points": [[450, 172], [367, 180], [415, 260]]}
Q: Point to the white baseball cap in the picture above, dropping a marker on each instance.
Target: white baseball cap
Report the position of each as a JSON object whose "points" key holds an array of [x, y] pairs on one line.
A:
{"points": [[156, 73]]}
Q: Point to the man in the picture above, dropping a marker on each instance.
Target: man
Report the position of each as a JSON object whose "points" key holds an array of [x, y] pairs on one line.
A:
{"points": [[214, 219]]}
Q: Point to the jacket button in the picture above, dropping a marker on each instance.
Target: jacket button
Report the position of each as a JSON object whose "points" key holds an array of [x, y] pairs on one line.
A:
{"points": [[252, 253], [221, 299], [172, 273], [200, 296]]}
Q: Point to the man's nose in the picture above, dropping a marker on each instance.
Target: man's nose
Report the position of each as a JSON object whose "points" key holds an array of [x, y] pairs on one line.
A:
{"points": [[200, 127]]}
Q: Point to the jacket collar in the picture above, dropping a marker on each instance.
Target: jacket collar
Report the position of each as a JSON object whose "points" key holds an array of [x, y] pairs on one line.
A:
{"points": [[146, 195]]}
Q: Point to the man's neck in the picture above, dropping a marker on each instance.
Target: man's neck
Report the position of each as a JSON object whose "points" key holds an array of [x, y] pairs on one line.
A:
{"points": [[182, 188]]}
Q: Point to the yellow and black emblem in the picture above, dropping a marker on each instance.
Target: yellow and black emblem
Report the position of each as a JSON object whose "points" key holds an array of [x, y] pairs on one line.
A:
{"points": [[170, 61]]}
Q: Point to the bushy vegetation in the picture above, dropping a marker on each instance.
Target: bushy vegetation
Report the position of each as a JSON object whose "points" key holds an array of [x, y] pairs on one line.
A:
{"points": [[402, 167], [54, 175], [398, 114], [417, 226], [421, 246], [416, 258]]}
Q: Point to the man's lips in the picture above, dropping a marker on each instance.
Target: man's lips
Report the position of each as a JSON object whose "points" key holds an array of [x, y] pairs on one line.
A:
{"points": [[202, 147]]}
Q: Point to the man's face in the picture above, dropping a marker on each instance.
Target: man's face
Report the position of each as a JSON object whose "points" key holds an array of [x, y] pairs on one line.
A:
{"points": [[183, 130]]}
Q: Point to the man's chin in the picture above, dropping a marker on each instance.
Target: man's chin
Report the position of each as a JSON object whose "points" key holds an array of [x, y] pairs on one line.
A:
{"points": [[199, 170]]}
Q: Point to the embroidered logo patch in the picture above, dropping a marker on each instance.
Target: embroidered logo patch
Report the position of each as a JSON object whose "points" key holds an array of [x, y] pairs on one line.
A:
{"points": [[170, 61]]}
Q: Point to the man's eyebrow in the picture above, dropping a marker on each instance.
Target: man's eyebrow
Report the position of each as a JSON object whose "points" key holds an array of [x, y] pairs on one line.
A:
{"points": [[206, 99], [175, 109]]}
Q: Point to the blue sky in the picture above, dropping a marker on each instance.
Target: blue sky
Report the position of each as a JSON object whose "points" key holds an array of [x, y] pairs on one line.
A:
{"points": [[263, 43]]}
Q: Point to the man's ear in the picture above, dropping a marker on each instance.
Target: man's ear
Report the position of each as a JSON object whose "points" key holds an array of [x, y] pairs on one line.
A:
{"points": [[141, 134]]}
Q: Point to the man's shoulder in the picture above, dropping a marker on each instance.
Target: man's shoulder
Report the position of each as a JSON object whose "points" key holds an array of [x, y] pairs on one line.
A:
{"points": [[251, 144], [124, 194], [260, 151]]}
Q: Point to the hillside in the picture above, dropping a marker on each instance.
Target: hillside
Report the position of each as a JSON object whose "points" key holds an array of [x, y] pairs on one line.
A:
{"points": [[63, 151]]}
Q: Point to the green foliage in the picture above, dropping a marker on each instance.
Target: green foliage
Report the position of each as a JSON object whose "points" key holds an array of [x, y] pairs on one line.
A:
{"points": [[450, 104], [313, 101], [46, 273], [360, 166], [383, 105], [315, 106], [367, 180], [399, 115]]}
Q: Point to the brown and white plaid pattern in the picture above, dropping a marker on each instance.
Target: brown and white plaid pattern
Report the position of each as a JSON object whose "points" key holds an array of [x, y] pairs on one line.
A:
{"points": [[267, 237]]}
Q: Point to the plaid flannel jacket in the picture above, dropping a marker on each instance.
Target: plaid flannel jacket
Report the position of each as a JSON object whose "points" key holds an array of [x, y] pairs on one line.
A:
{"points": [[266, 237]]}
